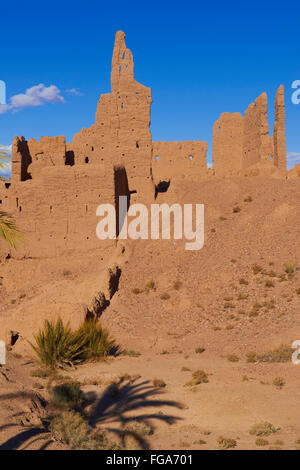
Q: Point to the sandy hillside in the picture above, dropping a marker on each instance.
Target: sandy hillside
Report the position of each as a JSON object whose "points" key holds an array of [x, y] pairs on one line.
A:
{"points": [[230, 298]]}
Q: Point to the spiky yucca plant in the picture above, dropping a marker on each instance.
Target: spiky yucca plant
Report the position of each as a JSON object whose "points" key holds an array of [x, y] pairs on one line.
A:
{"points": [[57, 346], [98, 342]]}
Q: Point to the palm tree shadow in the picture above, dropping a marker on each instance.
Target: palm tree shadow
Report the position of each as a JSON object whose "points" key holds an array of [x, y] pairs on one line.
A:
{"points": [[23, 437], [131, 402], [31, 433], [120, 404]]}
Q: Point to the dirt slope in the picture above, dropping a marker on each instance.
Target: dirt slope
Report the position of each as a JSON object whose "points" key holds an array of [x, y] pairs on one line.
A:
{"points": [[212, 298]]}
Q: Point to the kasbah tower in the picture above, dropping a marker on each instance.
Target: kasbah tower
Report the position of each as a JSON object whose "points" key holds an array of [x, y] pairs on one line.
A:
{"points": [[56, 186]]}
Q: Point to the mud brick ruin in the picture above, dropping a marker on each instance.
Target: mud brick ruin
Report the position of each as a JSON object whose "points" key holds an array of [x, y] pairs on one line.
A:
{"points": [[56, 186]]}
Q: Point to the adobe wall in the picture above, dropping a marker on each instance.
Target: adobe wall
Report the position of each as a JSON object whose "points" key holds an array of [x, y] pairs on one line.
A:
{"points": [[177, 159], [30, 157], [243, 142], [57, 211], [121, 133], [256, 132], [56, 186], [227, 148], [294, 172]]}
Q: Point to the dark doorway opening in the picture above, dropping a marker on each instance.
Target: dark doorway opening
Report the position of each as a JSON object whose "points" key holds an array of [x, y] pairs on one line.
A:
{"points": [[70, 159], [121, 189]]}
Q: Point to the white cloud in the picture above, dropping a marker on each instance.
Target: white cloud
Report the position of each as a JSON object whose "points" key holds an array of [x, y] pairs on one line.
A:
{"points": [[4, 108], [74, 91], [37, 95], [292, 159], [7, 170]]}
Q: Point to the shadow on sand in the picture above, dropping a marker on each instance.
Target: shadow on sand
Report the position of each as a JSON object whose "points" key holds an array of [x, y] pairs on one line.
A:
{"points": [[119, 405]]}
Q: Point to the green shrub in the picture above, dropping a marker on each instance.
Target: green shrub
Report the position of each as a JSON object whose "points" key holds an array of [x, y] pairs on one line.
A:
{"points": [[58, 346], [97, 341], [67, 395]]}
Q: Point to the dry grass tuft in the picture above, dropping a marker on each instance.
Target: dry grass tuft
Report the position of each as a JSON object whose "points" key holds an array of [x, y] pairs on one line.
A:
{"points": [[224, 443], [263, 429], [198, 377], [159, 383]]}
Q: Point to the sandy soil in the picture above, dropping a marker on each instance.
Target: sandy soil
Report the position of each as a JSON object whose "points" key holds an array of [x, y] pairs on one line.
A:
{"points": [[215, 300]]}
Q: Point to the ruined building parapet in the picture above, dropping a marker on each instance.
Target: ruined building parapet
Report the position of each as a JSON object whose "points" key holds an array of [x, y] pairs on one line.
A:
{"points": [[240, 142]]}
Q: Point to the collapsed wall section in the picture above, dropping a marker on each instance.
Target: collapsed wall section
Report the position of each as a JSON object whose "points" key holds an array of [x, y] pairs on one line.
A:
{"points": [[240, 143], [30, 157]]}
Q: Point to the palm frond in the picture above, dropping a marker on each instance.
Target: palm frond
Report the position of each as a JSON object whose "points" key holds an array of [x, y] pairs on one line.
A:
{"points": [[8, 229], [4, 160]]}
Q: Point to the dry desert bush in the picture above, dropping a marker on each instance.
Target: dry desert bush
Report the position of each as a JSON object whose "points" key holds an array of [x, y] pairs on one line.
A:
{"points": [[282, 353], [225, 443], [159, 383], [263, 429], [71, 428], [198, 377]]}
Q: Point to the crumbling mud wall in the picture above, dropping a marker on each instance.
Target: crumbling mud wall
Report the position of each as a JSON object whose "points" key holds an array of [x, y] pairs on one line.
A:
{"points": [[57, 211], [56, 186], [121, 134], [179, 159], [279, 131], [294, 172], [240, 142], [227, 149]]}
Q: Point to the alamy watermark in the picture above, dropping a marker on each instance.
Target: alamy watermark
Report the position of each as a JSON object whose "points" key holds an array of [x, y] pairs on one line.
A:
{"points": [[296, 93], [296, 354], [2, 92], [2, 353], [142, 218]]}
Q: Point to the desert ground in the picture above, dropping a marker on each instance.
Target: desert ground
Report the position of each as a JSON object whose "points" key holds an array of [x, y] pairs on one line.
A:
{"points": [[173, 312]]}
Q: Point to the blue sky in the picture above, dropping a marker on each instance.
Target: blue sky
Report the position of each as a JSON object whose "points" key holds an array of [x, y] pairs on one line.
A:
{"points": [[199, 58]]}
